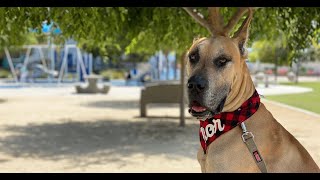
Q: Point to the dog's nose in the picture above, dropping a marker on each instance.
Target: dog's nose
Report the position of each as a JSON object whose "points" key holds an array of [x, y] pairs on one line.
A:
{"points": [[197, 82]]}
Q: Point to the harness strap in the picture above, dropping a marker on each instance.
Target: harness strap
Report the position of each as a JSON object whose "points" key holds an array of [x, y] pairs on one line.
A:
{"points": [[247, 138]]}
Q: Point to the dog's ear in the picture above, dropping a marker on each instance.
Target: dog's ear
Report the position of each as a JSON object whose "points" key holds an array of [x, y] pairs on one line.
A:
{"points": [[241, 36], [196, 39], [186, 63]]}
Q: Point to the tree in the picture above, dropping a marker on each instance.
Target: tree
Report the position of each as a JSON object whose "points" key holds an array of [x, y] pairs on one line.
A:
{"points": [[267, 50], [151, 29], [306, 55], [312, 53], [272, 51]]}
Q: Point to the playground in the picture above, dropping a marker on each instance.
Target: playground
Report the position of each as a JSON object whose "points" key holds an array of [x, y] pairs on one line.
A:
{"points": [[104, 133]]}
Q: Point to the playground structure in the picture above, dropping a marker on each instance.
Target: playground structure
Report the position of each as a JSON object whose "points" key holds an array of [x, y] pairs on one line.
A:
{"points": [[164, 66], [31, 65], [54, 69], [82, 69]]}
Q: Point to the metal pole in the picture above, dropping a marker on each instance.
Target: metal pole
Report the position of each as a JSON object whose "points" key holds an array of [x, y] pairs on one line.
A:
{"points": [[27, 56], [11, 65], [81, 62], [78, 66], [42, 57], [51, 52], [90, 63], [52, 57], [64, 62]]}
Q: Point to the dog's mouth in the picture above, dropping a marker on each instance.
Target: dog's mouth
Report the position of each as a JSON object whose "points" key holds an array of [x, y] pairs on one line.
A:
{"points": [[200, 111], [197, 110]]}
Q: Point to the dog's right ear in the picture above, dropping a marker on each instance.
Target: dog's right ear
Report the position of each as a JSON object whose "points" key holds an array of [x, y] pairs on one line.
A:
{"points": [[241, 36], [195, 39]]}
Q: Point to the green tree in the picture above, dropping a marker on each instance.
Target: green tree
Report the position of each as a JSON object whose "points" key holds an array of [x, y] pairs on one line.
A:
{"points": [[312, 53], [274, 51], [153, 28], [267, 50], [306, 55]]}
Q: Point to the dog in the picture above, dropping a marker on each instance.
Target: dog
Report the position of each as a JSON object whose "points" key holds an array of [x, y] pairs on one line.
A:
{"points": [[219, 84]]}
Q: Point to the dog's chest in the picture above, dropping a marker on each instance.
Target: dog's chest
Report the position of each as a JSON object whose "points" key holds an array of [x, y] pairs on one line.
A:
{"points": [[225, 153]]}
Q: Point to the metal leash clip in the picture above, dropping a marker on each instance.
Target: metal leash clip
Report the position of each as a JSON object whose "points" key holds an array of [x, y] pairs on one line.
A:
{"points": [[245, 132]]}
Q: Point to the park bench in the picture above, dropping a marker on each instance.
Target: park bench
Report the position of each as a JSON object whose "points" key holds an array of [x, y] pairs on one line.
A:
{"points": [[159, 92]]}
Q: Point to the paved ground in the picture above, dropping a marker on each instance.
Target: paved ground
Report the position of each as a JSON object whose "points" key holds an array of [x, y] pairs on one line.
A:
{"points": [[281, 89], [56, 130]]}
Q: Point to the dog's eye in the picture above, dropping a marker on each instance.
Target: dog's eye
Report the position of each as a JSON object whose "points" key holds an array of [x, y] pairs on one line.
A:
{"points": [[194, 58], [221, 62]]}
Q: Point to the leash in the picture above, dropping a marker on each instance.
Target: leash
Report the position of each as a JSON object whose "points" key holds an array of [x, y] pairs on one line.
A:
{"points": [[247, 138]]}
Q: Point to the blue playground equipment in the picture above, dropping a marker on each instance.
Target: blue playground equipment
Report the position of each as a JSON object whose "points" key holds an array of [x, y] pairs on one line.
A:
{"points": [[160, 70], [35, 63]]}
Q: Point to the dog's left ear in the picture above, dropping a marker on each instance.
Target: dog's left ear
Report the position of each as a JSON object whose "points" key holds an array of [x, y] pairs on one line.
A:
{"points": [[241, 36]]}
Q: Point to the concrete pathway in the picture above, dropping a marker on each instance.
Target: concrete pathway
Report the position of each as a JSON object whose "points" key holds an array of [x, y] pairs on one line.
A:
{"points": [[56, 130]]}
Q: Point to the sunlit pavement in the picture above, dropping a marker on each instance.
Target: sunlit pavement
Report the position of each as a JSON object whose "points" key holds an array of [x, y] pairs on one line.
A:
{"points": [[56, 130]]}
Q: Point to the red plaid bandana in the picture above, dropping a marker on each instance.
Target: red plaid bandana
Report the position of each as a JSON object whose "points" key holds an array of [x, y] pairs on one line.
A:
{"points": [[213, 127]]}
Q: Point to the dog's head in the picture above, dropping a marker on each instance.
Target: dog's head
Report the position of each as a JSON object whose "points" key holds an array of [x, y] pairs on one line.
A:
{"points": [[213, 65]]}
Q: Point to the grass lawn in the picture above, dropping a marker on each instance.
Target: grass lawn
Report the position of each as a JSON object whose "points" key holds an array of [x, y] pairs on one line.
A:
{"points": [[309, 101]]}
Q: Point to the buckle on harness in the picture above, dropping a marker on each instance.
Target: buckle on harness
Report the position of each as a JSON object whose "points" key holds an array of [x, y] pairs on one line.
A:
{"points": [[246, 134]]}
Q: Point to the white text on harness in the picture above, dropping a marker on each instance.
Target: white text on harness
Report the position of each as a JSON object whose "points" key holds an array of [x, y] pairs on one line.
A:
{"points": [[211, 129]]}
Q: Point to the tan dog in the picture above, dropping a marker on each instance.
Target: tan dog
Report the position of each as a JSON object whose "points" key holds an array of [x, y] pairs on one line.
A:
{"points": [[220, 82]]}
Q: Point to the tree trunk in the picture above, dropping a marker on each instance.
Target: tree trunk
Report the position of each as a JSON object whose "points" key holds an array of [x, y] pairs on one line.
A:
{"points": [[175, 68], [158, 66], [297, 73], [182, 80], [276, 71], [167, 64]]}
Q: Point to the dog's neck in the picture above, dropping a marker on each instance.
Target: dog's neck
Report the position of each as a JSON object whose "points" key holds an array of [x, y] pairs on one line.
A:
{"points": [[242, 89]]}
